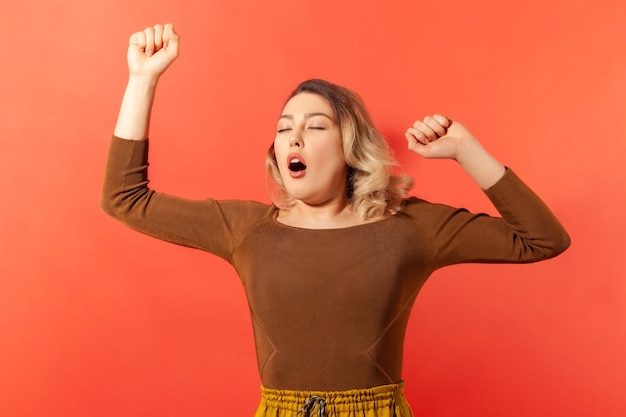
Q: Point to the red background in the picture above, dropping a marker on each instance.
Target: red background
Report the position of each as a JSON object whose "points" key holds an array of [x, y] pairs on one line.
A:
{"points": [[97, 320]]}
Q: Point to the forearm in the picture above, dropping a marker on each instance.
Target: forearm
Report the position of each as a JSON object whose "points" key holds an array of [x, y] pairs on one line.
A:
{"points": [[479, 164], [441, 137], [133, 121]]}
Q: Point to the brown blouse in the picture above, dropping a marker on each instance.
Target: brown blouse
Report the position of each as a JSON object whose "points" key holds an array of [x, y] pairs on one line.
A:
{"points": [[330, 307]]}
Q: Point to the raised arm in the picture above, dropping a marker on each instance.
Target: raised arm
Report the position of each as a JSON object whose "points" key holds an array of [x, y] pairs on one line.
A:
{"points": [[529, 231], [150, 53], [211, 225], [126, 195]]}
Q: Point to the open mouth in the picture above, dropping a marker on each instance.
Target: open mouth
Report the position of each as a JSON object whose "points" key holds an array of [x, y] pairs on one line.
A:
{"points": [[296, 166]]}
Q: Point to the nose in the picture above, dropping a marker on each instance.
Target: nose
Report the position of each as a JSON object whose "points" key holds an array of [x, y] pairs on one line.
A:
{"points": [[296, 138]]}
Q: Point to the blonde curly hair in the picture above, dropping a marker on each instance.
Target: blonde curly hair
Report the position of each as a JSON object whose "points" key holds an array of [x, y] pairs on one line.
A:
{"points": [[372, 191]]}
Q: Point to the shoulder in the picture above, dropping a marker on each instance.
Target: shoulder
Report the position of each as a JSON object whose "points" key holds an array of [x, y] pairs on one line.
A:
{"points": [[429, 217], [415, 207], [244, 211]]}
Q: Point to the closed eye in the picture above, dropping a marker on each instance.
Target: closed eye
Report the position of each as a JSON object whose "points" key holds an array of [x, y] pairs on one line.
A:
{"points": [[317, 128], [286, 129]]}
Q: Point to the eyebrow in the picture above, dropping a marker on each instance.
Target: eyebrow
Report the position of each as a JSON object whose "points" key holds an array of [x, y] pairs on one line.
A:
{"points": [[306, 116]]}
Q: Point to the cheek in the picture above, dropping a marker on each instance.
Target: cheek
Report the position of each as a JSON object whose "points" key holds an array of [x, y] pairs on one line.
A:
{"points": [[278, 149], [334, 162], [280, 156], [335, 152]]}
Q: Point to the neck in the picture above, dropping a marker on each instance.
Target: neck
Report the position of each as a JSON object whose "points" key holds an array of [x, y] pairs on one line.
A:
{"points": [[330, 215]]}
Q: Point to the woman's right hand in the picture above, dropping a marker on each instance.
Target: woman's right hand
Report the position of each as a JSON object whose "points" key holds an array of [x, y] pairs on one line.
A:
{"points": [[152, 50]]}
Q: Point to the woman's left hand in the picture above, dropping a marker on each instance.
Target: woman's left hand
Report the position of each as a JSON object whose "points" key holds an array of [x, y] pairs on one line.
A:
{"points": [[438, 137]]}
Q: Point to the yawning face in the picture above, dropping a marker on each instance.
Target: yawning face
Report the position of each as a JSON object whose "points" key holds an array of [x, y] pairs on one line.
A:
{"points": [[309, 151]]}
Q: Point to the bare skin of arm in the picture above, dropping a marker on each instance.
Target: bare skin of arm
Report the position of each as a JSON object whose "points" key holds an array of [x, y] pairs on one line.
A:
{"points": [[150, 53]]}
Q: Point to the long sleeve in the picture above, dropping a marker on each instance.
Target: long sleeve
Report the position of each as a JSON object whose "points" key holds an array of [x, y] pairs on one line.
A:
{"points": [[527, 231], [209, 225]]}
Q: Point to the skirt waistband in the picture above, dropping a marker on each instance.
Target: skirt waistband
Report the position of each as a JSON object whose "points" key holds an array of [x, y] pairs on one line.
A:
{"points": [[383, 396]]}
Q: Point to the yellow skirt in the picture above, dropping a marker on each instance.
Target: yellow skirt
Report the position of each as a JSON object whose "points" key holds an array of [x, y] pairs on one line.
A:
{"points": [[382, 401]]}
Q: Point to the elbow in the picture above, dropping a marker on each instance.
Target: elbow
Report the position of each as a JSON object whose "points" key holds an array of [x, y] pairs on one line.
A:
{"points": [[112, 203], [125, 205], [547, 247], [562, 243], [108, 205], [558, 244]]}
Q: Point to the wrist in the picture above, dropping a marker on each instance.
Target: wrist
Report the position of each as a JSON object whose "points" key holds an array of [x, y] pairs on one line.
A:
{"points": [[468, 150], [480, 164], [139, 82]]}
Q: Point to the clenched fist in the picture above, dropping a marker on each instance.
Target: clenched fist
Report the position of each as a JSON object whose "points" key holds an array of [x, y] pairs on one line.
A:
{"points": [[437, 137], [152, 50]]}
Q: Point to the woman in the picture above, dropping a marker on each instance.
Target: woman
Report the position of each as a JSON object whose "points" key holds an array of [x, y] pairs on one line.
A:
{"points": [[331, 270]]}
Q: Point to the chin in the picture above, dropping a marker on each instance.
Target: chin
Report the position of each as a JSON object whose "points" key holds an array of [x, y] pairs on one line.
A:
{"points": [[303, 196]]}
